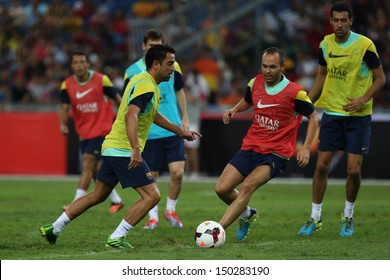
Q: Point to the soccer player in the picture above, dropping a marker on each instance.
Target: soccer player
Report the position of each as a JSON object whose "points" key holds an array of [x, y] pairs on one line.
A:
{"points": [[122, 148], [278, 105], [164, 147], [350, 74], [89, 94]]}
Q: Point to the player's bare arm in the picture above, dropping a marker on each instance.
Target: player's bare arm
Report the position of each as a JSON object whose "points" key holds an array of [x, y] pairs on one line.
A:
{"points": [[64, 117], [356, 104], [318, 84], [241, 106], [117, 100], [162, 121], [303, 154], [182, 103], [132, 134]]}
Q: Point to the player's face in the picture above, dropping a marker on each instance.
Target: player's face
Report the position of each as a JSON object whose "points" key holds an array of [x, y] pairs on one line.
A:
{"points": [[80, 66], [150, 43], [341, 24], [271, 69], [167, 68]]}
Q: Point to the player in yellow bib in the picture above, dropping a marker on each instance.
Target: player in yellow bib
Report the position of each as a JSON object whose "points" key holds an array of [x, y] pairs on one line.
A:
{"points": [[122, 148], [350, 74]]}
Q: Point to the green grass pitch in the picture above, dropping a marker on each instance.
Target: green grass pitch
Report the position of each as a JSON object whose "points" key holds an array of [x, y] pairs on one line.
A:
{"points": [[27, 204]]}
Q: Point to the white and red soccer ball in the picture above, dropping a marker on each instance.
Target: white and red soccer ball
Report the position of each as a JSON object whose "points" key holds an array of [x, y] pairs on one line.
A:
{"points": [[209, 234]]}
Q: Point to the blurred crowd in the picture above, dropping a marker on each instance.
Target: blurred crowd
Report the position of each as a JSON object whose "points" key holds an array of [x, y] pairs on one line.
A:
{"points": [[305, 23], [36, 38]]}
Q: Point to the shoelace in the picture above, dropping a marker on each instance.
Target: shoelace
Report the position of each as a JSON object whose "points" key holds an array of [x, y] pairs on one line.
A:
{"points": [[173, 215], [348, 223], [243, 223], [309, 223], [120, 242]]}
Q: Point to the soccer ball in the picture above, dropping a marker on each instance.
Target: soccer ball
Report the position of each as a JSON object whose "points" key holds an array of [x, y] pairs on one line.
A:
{"points": [[209, 234]]}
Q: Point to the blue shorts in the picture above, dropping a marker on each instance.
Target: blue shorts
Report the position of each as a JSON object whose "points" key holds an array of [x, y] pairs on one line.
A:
{"points": [[351, 134], [92, 146], [246, 161], [160, 152], [115, 169]]}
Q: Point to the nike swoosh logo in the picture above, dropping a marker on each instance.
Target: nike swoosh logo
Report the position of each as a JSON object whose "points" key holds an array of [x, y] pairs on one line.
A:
{"points": [[262, 106], [82, 94], [331, 55]]}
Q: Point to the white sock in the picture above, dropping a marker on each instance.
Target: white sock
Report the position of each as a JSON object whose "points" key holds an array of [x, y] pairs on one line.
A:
{"points": [[115, 198], [122, 230], [316, 211], [348, 210], [79, 193], [153, 213], [171, 205], [246, 214], [60, 224]]}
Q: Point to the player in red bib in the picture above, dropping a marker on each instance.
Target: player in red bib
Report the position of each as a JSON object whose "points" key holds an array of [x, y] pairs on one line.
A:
{"points": [[89, 94], [278, 106]]}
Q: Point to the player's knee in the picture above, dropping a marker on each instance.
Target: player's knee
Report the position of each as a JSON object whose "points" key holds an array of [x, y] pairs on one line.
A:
{"points": [[153, 199], [177, 174], [221, 190], [353, 173], [322, 169], [156, 199]]}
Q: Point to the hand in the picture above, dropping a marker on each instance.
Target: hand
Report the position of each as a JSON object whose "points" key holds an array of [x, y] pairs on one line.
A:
{"points": [[354, 106], [303, 157], [228, 115], [64, 129], [190, 135], [135, 159]]}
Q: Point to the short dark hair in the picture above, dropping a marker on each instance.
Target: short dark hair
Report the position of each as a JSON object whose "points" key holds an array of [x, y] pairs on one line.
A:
{"points": [[273, 50], [157, 52], [341, 7], [78, 52], [153, 34]]}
